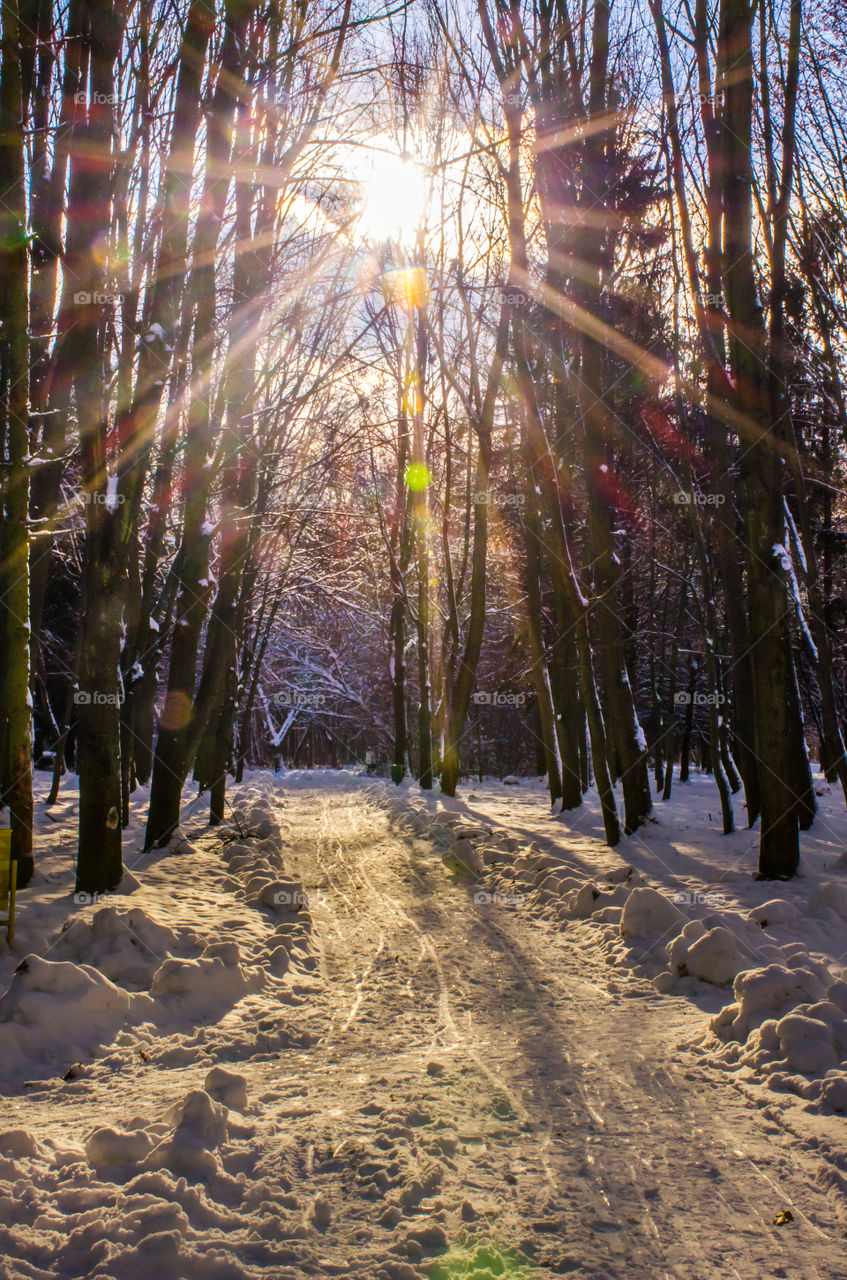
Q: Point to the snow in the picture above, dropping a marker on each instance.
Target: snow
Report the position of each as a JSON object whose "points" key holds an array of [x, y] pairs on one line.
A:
{"points": [[794, 587], [714, 957], [18, 1144], [463, 857], [763, 993], [828, 899], [112, 1147], [54, 1005], [297, 1045], [775, 911], [783, 956], [647, 911], [111, 492], [228, 1087], [779, 553], [789, 519], [124, 946]]}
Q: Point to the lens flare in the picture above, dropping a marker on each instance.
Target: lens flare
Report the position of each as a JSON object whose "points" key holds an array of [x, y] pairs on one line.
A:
{"points": [[417, 477]]}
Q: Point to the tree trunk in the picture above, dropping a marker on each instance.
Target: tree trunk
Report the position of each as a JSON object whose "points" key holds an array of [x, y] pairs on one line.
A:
{"points": [[776, 720], [466, 676], [99, 861], [176, 735], [16, 773]]}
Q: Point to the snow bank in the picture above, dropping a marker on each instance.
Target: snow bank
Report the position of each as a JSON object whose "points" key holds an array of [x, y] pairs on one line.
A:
{"points": [[714, 957], [205, 981], [763, 993], [125, 946], [463, 858], [829, 900], [647, 912], [56, 1010]]}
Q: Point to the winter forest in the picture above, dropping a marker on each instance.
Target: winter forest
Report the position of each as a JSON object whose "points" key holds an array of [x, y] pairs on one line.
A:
{"points": [[423, 505]]}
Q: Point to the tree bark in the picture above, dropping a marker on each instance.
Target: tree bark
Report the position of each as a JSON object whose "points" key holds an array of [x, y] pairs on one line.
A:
{"points": [[16, 769], [775, 696]]}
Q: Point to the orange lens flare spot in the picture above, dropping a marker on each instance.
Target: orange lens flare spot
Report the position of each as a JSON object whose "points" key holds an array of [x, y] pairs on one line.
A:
{"points": [[406, 287], [176, 712], [411, 402]]}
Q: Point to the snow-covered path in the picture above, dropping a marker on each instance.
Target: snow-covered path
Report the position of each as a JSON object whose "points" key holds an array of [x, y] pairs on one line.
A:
{"points": [[468, 1100], [579, 1142]]}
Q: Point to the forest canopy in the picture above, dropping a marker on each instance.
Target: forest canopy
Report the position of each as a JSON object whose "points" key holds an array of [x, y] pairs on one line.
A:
{"points": [[442, 388]]}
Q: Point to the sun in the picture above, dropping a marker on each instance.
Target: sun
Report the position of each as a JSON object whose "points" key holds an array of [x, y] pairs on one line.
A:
{"points": [[393, 196]]}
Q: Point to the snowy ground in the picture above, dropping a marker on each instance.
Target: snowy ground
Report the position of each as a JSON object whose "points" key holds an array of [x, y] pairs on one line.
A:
{"points": [[301, 1047]]}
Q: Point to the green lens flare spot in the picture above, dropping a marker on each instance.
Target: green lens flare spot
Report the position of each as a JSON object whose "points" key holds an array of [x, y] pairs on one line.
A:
{"points": [[482, 1261], [417, 477]]}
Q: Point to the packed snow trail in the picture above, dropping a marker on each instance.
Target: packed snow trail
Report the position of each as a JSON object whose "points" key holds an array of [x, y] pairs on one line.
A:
{"points": [[468, 1099], [578, 1144]]}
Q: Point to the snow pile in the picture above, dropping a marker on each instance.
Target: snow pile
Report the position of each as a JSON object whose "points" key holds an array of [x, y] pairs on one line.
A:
{"points": [[828, 901], [254, 855], [19, 1144], [463, 858], [56, 1010], [200, 1125], [125, 946], [647, 912], [789, 1028], [254, 816], [228, 1087], [183, 1145], [714, 957], [775, 911], [709, 955], [206, 981], [253, 849], [761, 994], [111, 1148]]}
